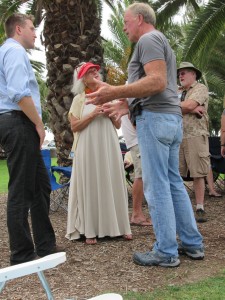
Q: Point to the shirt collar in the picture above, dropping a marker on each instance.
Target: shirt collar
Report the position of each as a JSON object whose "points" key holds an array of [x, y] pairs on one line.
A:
{"points": [[12, 40]]}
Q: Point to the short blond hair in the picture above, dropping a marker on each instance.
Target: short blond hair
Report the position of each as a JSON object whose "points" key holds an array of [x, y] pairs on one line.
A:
{"points": [[145, 10], [14, 20]]}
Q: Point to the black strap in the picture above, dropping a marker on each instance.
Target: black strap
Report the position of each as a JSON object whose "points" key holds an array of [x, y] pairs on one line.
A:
{"points": [[183, 95]]}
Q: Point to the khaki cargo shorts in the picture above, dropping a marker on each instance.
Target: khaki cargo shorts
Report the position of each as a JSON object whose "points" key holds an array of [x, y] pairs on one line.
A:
{"points": [[194, 156], [136, 157]]}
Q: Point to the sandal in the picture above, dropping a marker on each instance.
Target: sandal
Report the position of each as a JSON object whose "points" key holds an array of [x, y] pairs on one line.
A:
{"points": [[91, 241], [141, 223], [216, 195]]}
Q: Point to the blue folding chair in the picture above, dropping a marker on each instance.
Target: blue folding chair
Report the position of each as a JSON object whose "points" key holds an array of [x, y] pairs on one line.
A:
{"points": [[60, 192]]}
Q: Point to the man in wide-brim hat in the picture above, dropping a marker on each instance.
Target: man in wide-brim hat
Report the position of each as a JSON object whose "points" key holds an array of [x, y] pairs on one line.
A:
{"points": [[194, 149], [190, 67]]}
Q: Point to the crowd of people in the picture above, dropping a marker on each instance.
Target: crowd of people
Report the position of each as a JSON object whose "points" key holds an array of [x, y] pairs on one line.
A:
{"points": [[166, 133]]}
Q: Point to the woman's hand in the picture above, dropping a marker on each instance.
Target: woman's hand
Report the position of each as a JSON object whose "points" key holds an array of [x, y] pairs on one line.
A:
{"points": [[80, 124], [97, 111]]}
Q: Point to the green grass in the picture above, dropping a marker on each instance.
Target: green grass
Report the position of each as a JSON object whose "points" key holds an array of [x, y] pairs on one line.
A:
{"points": [[4, 175], [209, 289]]}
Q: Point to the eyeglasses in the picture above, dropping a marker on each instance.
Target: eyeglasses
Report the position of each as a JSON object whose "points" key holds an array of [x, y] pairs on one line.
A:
{"points": [[182, 73], [91, 71]]}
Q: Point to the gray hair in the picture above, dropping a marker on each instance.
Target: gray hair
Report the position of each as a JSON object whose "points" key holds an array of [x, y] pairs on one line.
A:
{"points": [[145, 10], [78, 86]]}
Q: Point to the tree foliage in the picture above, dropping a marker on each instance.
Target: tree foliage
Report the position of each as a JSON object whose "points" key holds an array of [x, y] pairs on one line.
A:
{"points": [[71, 35], [193, 39]]}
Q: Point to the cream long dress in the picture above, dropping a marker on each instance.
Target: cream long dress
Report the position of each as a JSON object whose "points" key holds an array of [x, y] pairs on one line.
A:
{"points": [[98, 202]]}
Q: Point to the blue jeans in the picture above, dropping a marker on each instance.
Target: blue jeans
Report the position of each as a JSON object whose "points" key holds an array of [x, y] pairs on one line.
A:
{"points": [[28, 189], [159, 138]]}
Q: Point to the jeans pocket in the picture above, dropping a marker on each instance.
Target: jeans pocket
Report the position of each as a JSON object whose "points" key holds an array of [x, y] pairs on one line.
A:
{"points": [[165, 130]]}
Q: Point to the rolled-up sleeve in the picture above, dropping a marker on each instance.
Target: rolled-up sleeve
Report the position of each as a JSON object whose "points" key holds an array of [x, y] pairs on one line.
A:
{"points": [[17, 74]]}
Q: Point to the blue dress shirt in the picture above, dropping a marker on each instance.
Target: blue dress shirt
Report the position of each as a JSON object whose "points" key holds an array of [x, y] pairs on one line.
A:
{"points": [[17, 78]]}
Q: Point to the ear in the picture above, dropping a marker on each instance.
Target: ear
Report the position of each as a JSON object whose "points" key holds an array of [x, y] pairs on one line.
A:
{"points": [[194, 74], [18, 29], [140, 19]]}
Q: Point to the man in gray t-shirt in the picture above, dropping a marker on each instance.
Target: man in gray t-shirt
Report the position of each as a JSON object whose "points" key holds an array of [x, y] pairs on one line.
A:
{"points": [[155, 108], [167, 100]]}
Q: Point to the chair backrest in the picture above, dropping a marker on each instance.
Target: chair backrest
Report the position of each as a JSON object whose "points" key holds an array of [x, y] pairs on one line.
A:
{"points": [[34, 266], [47, 160], [214, 145], [217, 161]]}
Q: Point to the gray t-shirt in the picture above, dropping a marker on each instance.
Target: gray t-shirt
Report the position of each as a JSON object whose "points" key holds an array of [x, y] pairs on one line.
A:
{"points": [[154, 46]]}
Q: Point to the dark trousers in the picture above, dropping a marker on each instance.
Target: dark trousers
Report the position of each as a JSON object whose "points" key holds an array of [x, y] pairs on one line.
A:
{"points": [[28, 190]]}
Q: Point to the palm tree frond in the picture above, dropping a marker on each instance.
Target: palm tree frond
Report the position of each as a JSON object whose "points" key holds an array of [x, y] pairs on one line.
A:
{"points": [[205, 29]]}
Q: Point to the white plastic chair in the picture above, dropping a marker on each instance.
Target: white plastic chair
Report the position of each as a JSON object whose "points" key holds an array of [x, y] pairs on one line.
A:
{"points": [[110, 296], [35, 266]]}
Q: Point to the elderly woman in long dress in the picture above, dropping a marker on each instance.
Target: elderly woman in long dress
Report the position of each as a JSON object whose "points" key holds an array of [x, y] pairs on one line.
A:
{"points": [[98, 202]]}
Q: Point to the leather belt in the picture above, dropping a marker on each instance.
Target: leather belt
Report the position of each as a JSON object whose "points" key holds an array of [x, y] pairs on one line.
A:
{"points": [[13, 113]]}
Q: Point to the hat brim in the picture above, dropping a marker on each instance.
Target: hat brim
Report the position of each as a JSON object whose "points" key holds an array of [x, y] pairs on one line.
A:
{"points": [[198, 72], [84, 70]]}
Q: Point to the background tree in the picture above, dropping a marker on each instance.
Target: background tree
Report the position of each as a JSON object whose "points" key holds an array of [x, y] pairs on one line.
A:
{"points": [[204, 45], [183, 38], [118, 50], [43, 93]]}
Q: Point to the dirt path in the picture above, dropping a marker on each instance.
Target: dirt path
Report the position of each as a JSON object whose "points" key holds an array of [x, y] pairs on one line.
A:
{"points": [[108, 266]]}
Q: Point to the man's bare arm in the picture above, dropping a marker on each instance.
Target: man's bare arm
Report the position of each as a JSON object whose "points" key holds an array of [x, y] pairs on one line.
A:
{"points": [[188, 106], [153, 83]]}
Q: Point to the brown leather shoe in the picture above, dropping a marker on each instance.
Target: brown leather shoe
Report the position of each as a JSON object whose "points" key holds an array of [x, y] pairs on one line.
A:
{"points": [[13, 263], [55, 249]]}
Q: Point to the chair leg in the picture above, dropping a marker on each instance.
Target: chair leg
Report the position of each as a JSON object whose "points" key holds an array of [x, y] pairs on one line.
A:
{"points": [[2, 284], [45, 285], [59, 198], [219, 181]]}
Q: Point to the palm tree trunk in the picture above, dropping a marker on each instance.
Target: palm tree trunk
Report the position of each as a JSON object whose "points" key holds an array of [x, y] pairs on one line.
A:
{"points": [[71, 35]]}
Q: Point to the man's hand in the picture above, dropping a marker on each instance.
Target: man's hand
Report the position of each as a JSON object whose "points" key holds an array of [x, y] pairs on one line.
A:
{"points": [[199, 111], [27, 106], [223, 151], [116, 109], [102, 95], [41, 132]]}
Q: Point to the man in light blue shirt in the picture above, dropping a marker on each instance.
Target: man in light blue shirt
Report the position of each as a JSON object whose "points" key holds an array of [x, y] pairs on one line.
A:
{"points": [[21, 135]]}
